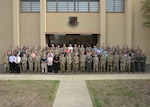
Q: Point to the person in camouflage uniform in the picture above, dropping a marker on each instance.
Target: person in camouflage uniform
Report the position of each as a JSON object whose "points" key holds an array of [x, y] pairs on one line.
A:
{"points": [[110, 62], [30, 61], [95, 63], [82, 61], [62, 63], [143, 61], [122, 62], [76, 62], [133, 63], [128, 63], [103, 63], [24, 63], [37, 61], [116, 62], [69, 61], [6, 63], [89, 62]]}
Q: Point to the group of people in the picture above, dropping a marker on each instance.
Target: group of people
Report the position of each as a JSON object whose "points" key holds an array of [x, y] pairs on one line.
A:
{"points": [[76, 58]]}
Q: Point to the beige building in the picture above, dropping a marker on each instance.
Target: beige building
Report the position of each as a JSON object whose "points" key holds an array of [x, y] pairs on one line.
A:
{"points": [[37, 22]]}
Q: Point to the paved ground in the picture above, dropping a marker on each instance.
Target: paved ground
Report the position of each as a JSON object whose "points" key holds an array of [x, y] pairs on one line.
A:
{"points": [[72, 94]]}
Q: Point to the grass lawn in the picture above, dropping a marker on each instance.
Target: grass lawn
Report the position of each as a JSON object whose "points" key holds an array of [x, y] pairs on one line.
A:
{"points": [[120, 93], [27, 93]]}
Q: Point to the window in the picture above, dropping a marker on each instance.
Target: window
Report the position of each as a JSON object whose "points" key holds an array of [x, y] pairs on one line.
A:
{"points": [[72, 5], [30, 5], [115, 5]]}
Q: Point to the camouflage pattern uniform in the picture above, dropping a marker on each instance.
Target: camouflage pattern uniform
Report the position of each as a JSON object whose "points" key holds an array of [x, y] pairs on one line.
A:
{"points": [[24, 63], [31, 61], [37, 63], [110, 62], [116, 62], [95, 63], [82, 62], [102, 63], [128, 63], [122, 62], [62, 63], [76, 62], [6, 63], [69, 62]]}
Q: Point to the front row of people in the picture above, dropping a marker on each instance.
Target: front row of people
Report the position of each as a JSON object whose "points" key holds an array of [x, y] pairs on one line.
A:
{"points": [[48, 63]]}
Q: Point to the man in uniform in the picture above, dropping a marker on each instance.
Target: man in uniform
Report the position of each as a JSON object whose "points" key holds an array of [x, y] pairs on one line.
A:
{"points": [[62, 63], [30, 61], [24, 63], [132, 62], [122, 62], [128, 63], [137, 61], [76, 62], [89, 62], [82, 61], [69, 61], [110, 62], [143, 61], [102, 63], [116, 62], [6, 63], [95, 63], [37, 60]]}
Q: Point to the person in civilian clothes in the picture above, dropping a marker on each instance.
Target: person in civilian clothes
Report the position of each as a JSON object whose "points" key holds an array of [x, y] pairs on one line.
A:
{"points": [[49, 63], [17, 63], [56, 63], [12, 63]]}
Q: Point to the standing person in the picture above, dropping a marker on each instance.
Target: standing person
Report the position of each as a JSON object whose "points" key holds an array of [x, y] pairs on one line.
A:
{"points": [[30, 61], [116, 62], [12, 63], [76, 62], [82, 61], [95, 63], [17, 63], [143, 61], [133, 63], [122, 62], [6, 63], [37, 61], [137, 62], [56, 63], [62, 63], [24, 63], [44, 63], [69, 62], [110, 62], [89, 62], [103, 63], [49, 63], [128, 63]]}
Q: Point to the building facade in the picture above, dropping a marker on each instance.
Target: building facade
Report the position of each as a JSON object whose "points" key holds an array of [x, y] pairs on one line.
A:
{"points": [[37, 22]]}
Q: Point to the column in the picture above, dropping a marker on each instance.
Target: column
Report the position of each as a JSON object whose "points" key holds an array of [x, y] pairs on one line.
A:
{"points": [[102, 22], [42, 22], [128, 13], [15, 9]]}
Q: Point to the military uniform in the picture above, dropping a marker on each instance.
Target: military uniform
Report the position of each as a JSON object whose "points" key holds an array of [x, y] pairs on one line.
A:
{"points": [[62, 63], [69, 62], [89, 62], [116, 62], [76, 62], [6, 63], [143, 62], [37, 63], [128, 64], [133, 63], [137, 62], [102, 63], [82, 62], [110, 62], [30, 61], [95, 63], [122, 62], [24, 63]]}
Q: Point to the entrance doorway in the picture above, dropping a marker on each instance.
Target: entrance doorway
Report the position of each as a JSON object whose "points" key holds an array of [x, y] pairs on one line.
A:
{"points": [[60, 39]]}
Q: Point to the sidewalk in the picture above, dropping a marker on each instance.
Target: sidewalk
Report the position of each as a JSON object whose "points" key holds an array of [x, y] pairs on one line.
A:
{"points": [[74, 77], [72, 94]]}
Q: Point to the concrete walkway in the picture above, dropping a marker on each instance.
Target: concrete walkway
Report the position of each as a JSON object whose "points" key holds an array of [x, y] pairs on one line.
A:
{"points": [[74, 77], [72, 94]]}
